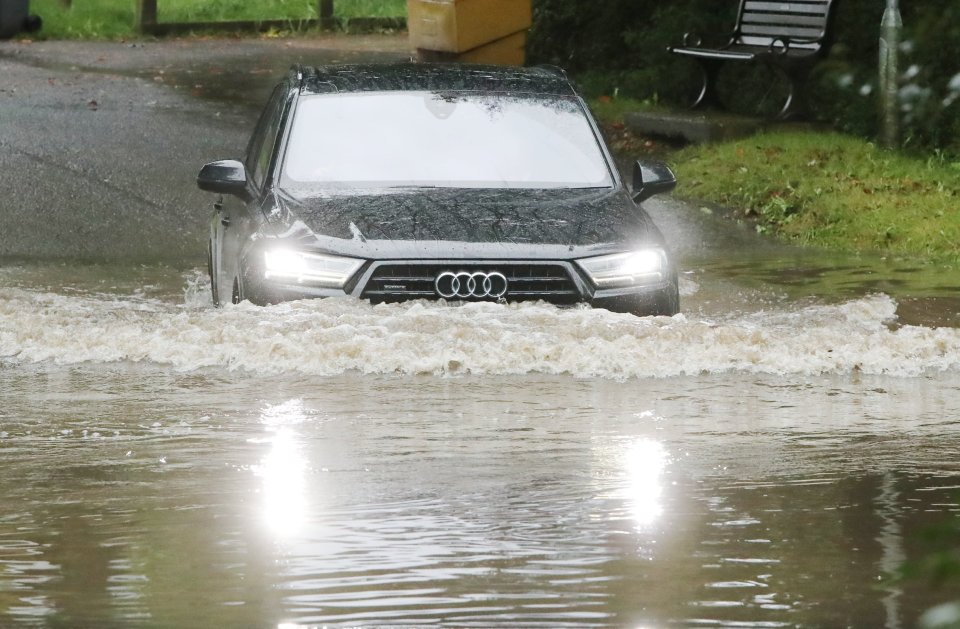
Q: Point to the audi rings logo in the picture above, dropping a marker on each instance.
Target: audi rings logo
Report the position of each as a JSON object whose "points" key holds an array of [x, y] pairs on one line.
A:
{"points": [[464, 285]]}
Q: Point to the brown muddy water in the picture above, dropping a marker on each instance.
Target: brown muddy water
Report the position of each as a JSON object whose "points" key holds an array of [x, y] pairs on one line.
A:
{"points": [[766, 459]]}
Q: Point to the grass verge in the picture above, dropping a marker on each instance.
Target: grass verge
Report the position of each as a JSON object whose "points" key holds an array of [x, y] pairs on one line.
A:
{"points": [[831, 190], [815, 188], [115, 19]]}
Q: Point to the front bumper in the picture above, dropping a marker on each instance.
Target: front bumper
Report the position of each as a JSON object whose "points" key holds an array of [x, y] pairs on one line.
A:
{"points": [[560, 282]]}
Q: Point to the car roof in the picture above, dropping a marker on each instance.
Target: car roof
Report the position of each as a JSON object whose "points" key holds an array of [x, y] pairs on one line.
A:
{"points": [[441, 77]]}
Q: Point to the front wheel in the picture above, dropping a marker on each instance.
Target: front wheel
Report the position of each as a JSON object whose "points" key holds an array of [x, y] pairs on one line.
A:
{"points": [[250, 286], [667, 303], [242, 293], [663, 303]]}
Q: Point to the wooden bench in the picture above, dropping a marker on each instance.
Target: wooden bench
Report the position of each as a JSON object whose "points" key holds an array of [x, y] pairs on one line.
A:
{"points": [[791, 36]]}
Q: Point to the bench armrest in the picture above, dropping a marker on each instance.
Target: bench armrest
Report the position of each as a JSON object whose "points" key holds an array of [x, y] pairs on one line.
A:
{"points": [[693, 40], [781, 45]]}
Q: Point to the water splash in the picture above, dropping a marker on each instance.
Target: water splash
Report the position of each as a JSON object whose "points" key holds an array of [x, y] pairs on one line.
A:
{"points": [[334, 336]]}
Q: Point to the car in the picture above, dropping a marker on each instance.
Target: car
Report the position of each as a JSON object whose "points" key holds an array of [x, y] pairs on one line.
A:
{"points": [[448, 182]]}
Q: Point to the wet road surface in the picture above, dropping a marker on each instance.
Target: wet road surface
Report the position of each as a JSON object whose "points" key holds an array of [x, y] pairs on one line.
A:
{"points": [[765, 459], [100, 144]]}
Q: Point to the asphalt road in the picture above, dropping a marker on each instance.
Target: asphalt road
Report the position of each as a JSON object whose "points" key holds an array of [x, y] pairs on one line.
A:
{"points": [[100, 143]]}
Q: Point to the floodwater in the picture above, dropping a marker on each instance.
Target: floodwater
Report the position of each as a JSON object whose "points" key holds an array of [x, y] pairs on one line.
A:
{"points": [[768, 458]]}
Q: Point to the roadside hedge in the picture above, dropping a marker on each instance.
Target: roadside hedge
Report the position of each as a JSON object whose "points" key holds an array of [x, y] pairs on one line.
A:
{"points": [[618, 47]]}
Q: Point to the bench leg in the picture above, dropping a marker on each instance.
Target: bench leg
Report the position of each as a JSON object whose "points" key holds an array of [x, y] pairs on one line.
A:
{"points": [[708, 98], [795, 107]]}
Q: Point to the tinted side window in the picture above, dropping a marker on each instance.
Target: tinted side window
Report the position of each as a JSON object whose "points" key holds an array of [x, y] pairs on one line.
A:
{"points": [[264, 137]]}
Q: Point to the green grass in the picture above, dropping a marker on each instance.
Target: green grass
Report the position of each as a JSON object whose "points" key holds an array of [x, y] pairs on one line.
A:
{"points": [[370, 8], [831, 190], [224, 10], [85, 19], [114, 19], [813, 188]]}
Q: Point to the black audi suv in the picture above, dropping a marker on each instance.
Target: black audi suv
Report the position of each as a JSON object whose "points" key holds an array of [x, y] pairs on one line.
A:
{"points": [[422, 181]]}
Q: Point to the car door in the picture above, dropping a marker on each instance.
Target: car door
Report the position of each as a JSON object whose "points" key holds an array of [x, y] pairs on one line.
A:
{"points": [[236, 219]]}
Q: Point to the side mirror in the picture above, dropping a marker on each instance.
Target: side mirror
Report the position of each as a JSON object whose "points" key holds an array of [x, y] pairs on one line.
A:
{"points": [[650, 178], [227, 176]]}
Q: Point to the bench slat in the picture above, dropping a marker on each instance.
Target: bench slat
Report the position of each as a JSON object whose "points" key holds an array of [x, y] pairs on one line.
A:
{"points": [[812, 8], [783, 20], [777, 31], [792, 5]]}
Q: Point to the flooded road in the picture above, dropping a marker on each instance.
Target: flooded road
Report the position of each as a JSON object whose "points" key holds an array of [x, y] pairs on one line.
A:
{"points": [[334, 463], [767, 458]]}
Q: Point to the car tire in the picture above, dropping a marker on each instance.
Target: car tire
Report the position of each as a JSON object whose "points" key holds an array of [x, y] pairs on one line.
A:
{"points": [[665, 304], [251, 287], [668, 302], [244, 290]]}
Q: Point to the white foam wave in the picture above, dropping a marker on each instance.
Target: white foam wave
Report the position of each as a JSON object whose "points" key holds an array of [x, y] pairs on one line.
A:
{"points": [[333, 336]]}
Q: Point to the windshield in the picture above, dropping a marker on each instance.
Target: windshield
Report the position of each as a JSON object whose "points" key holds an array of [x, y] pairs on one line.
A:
{"points": [[430, 139]]}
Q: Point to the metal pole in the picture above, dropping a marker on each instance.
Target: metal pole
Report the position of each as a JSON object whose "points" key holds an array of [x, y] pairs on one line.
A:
{"points": [[146, 15], [325, 14], [326, 9], [890, 28]]}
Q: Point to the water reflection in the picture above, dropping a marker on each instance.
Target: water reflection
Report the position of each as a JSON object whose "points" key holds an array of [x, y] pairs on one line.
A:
{"points": [[534, 501], [645, 462], [283, 470], [890, 539]]}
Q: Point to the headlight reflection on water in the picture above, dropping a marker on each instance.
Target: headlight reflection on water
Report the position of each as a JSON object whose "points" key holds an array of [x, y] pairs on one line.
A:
{"points": [[644, 463], [283, 470]]}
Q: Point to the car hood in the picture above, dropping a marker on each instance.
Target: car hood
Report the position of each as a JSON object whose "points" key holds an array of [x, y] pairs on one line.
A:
{"points": [[443, 222]]}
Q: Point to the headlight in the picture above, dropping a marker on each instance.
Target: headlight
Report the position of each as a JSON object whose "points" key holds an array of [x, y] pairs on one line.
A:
{"points": [[644, 266], [309, 268]]}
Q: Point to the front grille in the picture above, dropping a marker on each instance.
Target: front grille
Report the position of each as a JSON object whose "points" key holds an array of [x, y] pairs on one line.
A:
{"points": [[526, 281]]}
